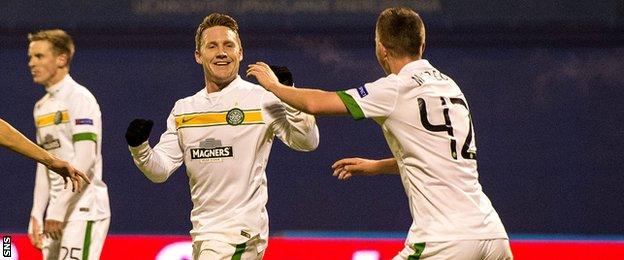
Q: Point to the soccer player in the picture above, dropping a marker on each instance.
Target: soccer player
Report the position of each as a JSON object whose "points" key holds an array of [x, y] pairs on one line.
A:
{"points": [[426, 121], [69, 125], [17, 142], [223, 134]]}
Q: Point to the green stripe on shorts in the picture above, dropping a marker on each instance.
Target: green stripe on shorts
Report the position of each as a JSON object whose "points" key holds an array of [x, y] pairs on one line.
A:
{"points": [[87, 241], [240, 248], [418, 250], [352, 106], [85, 137]]}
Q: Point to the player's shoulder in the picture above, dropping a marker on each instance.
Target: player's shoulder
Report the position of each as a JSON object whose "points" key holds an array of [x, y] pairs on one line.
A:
{"points": [[243, 85], [246, 88], [391, 81], [190, 99], [42, 101], [78, 92]]}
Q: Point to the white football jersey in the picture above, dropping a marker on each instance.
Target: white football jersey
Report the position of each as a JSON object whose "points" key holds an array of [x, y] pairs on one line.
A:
{"points": [[68, 114], [426, 121], [224, 139]]}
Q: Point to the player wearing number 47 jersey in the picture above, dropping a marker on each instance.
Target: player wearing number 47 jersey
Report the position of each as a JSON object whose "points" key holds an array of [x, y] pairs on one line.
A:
{"points": [[426, 122], [69, 126]]}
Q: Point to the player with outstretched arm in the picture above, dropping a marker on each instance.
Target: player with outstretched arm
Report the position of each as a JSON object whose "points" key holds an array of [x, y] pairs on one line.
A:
{"points": [[426, 121]]}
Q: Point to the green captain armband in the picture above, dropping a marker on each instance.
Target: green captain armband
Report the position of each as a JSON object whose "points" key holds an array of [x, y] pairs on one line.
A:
{"points": [[84, 137]]}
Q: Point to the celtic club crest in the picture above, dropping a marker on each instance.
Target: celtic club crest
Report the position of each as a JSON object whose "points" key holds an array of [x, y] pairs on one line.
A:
{"points": [[58, 117], [235, 116]]}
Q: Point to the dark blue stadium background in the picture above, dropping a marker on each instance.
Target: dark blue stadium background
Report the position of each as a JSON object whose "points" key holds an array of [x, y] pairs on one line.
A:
{"points": [[544, 81]]}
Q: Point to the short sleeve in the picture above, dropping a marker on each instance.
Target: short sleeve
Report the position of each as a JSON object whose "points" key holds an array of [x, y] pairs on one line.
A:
{"points": [[375, 99], [85, 118]]}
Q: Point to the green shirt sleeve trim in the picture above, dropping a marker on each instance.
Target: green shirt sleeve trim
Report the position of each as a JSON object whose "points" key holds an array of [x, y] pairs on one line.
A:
{"points": [[85, 137], [354, 109]]}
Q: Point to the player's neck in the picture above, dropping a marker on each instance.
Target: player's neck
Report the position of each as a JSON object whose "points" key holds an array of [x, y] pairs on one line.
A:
{"points": [[396, 64], [212, 87], [60, 75]]}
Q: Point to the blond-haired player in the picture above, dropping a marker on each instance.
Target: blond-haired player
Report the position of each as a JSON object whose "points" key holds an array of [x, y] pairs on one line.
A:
{"points": [[69, 125]]}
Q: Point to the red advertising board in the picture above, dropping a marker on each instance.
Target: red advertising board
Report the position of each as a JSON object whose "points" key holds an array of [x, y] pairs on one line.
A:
{"points": [[302, 248]]}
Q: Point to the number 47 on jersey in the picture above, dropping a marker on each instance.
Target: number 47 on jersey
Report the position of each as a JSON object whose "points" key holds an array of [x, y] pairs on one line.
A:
{"points": [[446, 105]]}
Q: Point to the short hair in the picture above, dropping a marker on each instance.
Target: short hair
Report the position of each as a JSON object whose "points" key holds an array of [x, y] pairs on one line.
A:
{"points": [[401, 31], [61, 42], [215, 19]]}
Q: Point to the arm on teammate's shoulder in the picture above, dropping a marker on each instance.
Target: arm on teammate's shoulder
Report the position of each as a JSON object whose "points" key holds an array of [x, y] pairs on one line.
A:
{"points": [[296, 129], [311, 101], [348, 167]]}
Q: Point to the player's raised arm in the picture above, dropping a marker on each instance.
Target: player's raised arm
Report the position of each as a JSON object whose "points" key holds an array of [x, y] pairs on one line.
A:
{"points": [[159, 163], [311, 101], [17, 142]]}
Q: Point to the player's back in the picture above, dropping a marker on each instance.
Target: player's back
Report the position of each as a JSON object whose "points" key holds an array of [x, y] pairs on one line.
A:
{"points": [[430, 133]]}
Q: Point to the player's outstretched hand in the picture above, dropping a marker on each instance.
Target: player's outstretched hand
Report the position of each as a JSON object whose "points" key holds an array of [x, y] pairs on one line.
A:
{"points": [[283, 74], [263, 73], [138, 131], [69, 173], [348, 167]]}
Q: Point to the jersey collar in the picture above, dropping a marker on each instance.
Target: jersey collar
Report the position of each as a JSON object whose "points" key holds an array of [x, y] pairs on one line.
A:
{"points": [[58, 88], [417, 65], [234, 84]]}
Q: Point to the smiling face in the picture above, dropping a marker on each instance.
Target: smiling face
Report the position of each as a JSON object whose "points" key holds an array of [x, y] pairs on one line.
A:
{"points": [[46, 67], [220, 54]]}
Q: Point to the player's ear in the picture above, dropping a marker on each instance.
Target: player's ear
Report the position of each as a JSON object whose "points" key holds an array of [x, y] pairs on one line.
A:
{"points": [[240, 57], [62, 60], [198, 57], [384, 51]]}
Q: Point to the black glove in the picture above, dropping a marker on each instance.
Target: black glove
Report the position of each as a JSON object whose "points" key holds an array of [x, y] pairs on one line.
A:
{"points": [[138, 131], [283, 75]]}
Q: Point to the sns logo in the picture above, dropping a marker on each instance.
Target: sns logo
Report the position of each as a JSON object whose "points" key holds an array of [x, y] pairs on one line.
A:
{"points": [[8, 249]]}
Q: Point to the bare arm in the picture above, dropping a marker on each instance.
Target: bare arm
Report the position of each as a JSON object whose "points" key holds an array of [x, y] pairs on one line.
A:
{"points": [[348, 167], [311, 101], [16, 141]]}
